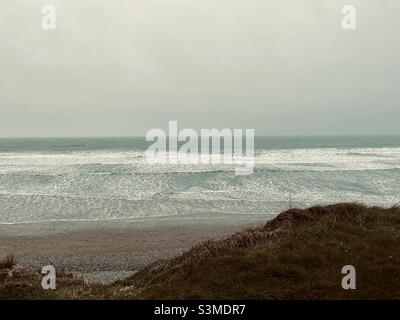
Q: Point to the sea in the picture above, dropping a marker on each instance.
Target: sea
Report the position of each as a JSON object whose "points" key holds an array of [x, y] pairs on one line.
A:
{"points": [[105, 179]]}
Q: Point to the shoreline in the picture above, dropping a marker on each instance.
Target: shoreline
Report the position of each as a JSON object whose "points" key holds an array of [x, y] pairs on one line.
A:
{"points": [[60, 226], [106, 252]]}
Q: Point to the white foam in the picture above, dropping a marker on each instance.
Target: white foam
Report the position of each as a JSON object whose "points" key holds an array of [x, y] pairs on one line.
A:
{"points": [[113, 185]]}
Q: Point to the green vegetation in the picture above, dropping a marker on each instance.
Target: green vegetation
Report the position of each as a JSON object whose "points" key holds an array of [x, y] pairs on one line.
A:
{"points": [[298, 255]]}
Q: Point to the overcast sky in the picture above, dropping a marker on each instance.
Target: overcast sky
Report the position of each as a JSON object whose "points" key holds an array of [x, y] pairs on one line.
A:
{"points": [[122, 67]]}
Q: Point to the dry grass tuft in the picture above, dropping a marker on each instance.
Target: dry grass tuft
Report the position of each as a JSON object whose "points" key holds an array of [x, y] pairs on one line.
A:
{"points": [[8, 262]]}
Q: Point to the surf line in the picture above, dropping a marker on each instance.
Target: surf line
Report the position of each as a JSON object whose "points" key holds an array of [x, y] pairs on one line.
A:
{"points": [[182, 147]]}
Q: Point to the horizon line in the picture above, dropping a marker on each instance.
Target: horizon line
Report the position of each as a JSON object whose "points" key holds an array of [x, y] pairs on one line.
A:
{"points": [[260, 135]]}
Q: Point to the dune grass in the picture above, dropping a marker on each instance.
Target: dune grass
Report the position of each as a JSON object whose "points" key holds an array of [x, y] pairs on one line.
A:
{"points": [[297, 255], [8, 262]]}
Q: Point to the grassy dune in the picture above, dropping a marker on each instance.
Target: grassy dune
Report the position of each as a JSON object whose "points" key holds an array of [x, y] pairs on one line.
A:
{"points": [[298, 255]]}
